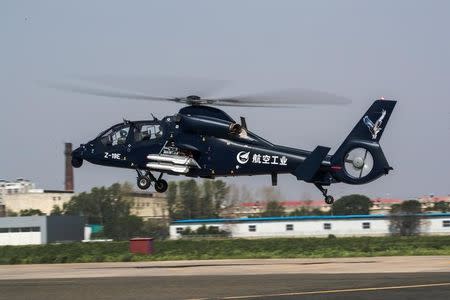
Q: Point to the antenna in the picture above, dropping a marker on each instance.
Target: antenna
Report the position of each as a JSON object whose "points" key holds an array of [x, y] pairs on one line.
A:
{"points": [[243, 123]]}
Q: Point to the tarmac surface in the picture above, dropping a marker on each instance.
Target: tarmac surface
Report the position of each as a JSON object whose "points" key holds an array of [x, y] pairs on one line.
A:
{"points": [[422, 277]]}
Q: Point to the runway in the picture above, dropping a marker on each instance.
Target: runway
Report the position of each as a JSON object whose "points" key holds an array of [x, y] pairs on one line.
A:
{"points": [[365, 278]]}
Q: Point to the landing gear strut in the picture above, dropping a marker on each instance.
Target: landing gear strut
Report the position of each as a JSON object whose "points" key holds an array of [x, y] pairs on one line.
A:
{"points": [[144, 181], [328, 198]]}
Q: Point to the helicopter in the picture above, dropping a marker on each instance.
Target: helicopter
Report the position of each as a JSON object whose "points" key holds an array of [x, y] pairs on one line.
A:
{"points": [[204, 141]]}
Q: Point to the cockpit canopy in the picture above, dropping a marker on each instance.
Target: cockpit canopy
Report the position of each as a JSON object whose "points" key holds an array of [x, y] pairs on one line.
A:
{"points": [[131, 132]]}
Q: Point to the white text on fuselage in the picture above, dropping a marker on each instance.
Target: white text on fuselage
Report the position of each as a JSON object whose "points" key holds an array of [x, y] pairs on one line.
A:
{"points": [[243, 157], [113, 155]]}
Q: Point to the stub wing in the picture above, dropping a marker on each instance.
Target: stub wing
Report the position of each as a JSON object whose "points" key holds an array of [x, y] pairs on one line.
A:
{"points": [[310, 166]]}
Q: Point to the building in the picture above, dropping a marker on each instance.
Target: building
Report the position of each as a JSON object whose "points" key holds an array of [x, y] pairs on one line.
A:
{"points": [[429, 201], [15, 187], [22, 194], [247, 209], [380, 206], [44, 200], [312, 226], [149, 205], [383, 205], [37, 230]]}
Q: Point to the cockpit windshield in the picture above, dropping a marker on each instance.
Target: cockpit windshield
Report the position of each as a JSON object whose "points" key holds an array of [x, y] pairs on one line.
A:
{"points": [[115, 136], [140, 132], [146, 132]]}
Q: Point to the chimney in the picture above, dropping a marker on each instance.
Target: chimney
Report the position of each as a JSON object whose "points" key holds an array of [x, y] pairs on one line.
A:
{"points": [[69, 169]]}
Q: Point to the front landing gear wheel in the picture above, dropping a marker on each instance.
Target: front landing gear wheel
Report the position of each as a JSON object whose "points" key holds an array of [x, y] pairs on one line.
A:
{"points": [[161, 185], [77, 162], [143, 182], [329, 199]]}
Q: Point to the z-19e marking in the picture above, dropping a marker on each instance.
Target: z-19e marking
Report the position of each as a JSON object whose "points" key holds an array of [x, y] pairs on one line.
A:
{"points": [[113, 155]]}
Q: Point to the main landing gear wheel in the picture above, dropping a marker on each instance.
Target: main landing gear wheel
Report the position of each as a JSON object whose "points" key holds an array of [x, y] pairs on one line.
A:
{"points": [[161, 185], [143, 182], [329, 199]]}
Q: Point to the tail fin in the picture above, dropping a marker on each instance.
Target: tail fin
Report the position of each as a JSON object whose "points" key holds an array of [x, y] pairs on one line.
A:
{"points": [[365, 138], [374, 121]]}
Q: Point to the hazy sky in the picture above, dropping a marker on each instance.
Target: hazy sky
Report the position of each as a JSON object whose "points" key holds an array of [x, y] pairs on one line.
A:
{"points": [[358, 49]]}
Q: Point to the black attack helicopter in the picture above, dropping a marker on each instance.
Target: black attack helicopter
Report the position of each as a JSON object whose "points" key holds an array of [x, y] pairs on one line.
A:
{"points": [[204, 141]]}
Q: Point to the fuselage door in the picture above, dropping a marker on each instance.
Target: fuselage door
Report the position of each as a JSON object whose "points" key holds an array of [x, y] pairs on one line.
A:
{"points": [[147, 138], [114, 143]]}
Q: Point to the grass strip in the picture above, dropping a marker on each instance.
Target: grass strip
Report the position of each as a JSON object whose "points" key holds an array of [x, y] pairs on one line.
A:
{"points": [[229, 248]]}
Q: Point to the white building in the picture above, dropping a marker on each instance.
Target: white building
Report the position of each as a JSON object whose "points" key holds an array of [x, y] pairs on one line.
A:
{"points": [[37, 230], [312, 226], [44, 200], [19, 186], [15, 187], [22, 194]]}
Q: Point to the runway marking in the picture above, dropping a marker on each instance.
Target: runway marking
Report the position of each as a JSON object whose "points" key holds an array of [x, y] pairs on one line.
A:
{"points": [[336, 291], [58, 282]]}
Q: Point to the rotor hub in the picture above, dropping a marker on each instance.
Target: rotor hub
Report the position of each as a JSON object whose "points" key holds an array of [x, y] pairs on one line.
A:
{"points": [[358, 162], [193, 98]]}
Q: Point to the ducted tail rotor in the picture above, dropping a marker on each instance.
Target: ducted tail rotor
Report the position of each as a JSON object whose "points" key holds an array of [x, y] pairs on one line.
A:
{"points": [[358, 163]]}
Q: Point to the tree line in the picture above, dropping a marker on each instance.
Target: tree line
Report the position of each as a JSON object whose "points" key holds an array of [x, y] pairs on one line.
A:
{"points": [[111, 207], [346, 205], [189, 199]]}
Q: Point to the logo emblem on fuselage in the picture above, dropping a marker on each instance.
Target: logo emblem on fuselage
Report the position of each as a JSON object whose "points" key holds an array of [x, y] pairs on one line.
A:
{"points": [[374, 128], [243, 157]]}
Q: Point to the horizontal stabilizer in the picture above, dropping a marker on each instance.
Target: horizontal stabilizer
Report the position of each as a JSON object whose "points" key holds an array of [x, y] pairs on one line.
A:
{"points": [[309, 167]]}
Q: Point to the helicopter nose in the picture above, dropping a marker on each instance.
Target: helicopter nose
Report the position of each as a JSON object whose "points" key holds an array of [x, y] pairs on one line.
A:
{"points": [[77, 156]]}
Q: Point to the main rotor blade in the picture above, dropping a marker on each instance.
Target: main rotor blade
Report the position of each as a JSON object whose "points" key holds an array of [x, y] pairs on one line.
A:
{"points": [[281, 98], [291, 97], [176, 86], [108, 93]]}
